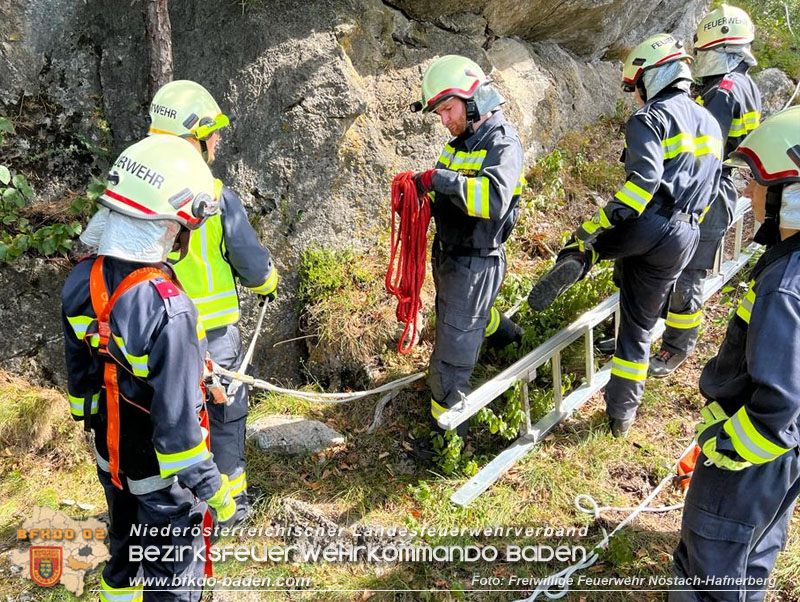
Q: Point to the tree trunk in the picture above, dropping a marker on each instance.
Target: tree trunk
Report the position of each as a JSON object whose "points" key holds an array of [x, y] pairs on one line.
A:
{"points": [[159, 43]]}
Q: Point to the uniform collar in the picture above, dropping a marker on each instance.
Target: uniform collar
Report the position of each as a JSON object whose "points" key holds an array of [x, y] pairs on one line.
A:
{"points": [[472, 141]]}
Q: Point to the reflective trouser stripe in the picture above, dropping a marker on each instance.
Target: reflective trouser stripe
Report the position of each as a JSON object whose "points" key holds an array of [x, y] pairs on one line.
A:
{"points": [[628, 370], [238, 484], [747, 302], [119, 594], [684, 321], [478, 197], [494, 322], [171, 463], [520, 185], [436, 409], [748, 442]]}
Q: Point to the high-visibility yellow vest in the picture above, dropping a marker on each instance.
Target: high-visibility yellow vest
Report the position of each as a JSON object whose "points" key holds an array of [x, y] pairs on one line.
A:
{"points": [[207, 277]]}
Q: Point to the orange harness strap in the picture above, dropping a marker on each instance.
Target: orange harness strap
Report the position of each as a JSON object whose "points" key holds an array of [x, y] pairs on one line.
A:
{"points": [[102, 306]]}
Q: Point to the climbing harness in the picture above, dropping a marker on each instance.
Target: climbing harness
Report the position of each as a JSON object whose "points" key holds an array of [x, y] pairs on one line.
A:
{"points": [[411, 214]]}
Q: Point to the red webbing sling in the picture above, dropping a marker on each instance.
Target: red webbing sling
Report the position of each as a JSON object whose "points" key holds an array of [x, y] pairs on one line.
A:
{"points": [[409, 242]]}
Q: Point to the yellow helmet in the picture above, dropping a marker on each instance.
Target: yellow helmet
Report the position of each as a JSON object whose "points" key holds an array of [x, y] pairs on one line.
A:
{"points": [[655, 51], [161, 177], [185, 108], [448, 76], [725, 25], [772, 151]]}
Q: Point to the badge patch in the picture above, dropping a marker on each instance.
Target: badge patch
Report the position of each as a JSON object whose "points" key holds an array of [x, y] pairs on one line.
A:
{"points": [[46, 565]]}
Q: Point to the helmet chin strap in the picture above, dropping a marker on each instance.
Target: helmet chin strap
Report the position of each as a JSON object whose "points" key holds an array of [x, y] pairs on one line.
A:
{"points": [[473, 115], [769, 232], [204, 150], [181, 243]]}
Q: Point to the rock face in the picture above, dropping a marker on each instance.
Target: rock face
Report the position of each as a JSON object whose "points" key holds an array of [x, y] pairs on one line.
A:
{"points": [[776, 89], [320, 89], [292, 436]]}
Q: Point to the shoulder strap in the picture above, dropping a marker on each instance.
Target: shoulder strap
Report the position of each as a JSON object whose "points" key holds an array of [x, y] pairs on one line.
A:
{"points": [[102, 306]]}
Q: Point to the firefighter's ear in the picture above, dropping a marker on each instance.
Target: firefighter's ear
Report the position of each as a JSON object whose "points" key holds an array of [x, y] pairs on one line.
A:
{"points": [[181, 243]]}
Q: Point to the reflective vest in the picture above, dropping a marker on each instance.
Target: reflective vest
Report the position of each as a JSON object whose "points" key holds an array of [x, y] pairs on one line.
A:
{"points": [[206, 276]]}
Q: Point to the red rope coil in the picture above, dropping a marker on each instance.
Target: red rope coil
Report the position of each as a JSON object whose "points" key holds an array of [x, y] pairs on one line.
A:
{"points": [[411, 215]]}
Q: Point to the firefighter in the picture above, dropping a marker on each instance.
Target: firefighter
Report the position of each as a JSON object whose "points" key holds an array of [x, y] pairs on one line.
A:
{"points": [[225, 248], [672, 165], [134, 355], [474, 190], [747, 479], [722, 58]]}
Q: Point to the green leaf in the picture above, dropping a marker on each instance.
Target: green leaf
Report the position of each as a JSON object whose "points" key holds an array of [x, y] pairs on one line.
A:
{"points": [[5, 175], [12, 197], [6, 126], [3, 252], [20, 182], [95, 189]]}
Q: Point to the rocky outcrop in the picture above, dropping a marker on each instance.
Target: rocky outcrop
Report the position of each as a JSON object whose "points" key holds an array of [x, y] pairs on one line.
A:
{"points": [[776, 89], [292, 436], [320, 89]]}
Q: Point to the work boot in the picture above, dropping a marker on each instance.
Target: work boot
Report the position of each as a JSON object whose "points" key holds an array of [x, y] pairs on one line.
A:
{"points": [[561, 276], [619, 427], [607, 346], [422, 450], [665, 363], [507, 332]]}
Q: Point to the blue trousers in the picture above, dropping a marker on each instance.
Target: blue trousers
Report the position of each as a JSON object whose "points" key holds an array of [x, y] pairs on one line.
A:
{"points": [[228, 422], [734, 524], [175, 507]]}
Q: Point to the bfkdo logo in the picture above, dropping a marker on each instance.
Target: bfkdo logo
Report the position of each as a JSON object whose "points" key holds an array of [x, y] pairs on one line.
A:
{"points": [[46, 564]]}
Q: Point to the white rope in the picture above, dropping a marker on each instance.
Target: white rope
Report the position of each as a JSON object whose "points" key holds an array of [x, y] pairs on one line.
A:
{"points": [[318, 397], [236, 383], [561, 580]]}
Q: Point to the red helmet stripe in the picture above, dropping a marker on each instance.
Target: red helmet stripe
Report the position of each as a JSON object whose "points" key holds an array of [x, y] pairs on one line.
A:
{"points": [[719, 41], [762, 170], [666, 58], [127, 201], [453, 91]]}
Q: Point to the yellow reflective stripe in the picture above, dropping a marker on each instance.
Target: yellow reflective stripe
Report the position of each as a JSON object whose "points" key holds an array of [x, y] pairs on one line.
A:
{"points": [[138, 362], [684, 321], [218, 188], [748, 442], [201, 331], [494, 322], [520, 185], [447, 155], [703, 215], [169, 464], [270, 284], [207, 277], [94, 340], [436, 409], [478, 197], [686, 143], [598, 221], [699, 100], [237, 485], [119, 594], [746, 304], [462, 160], [76, 404], [745, 124], [629, 370], [80, 325], [634, 196]]}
